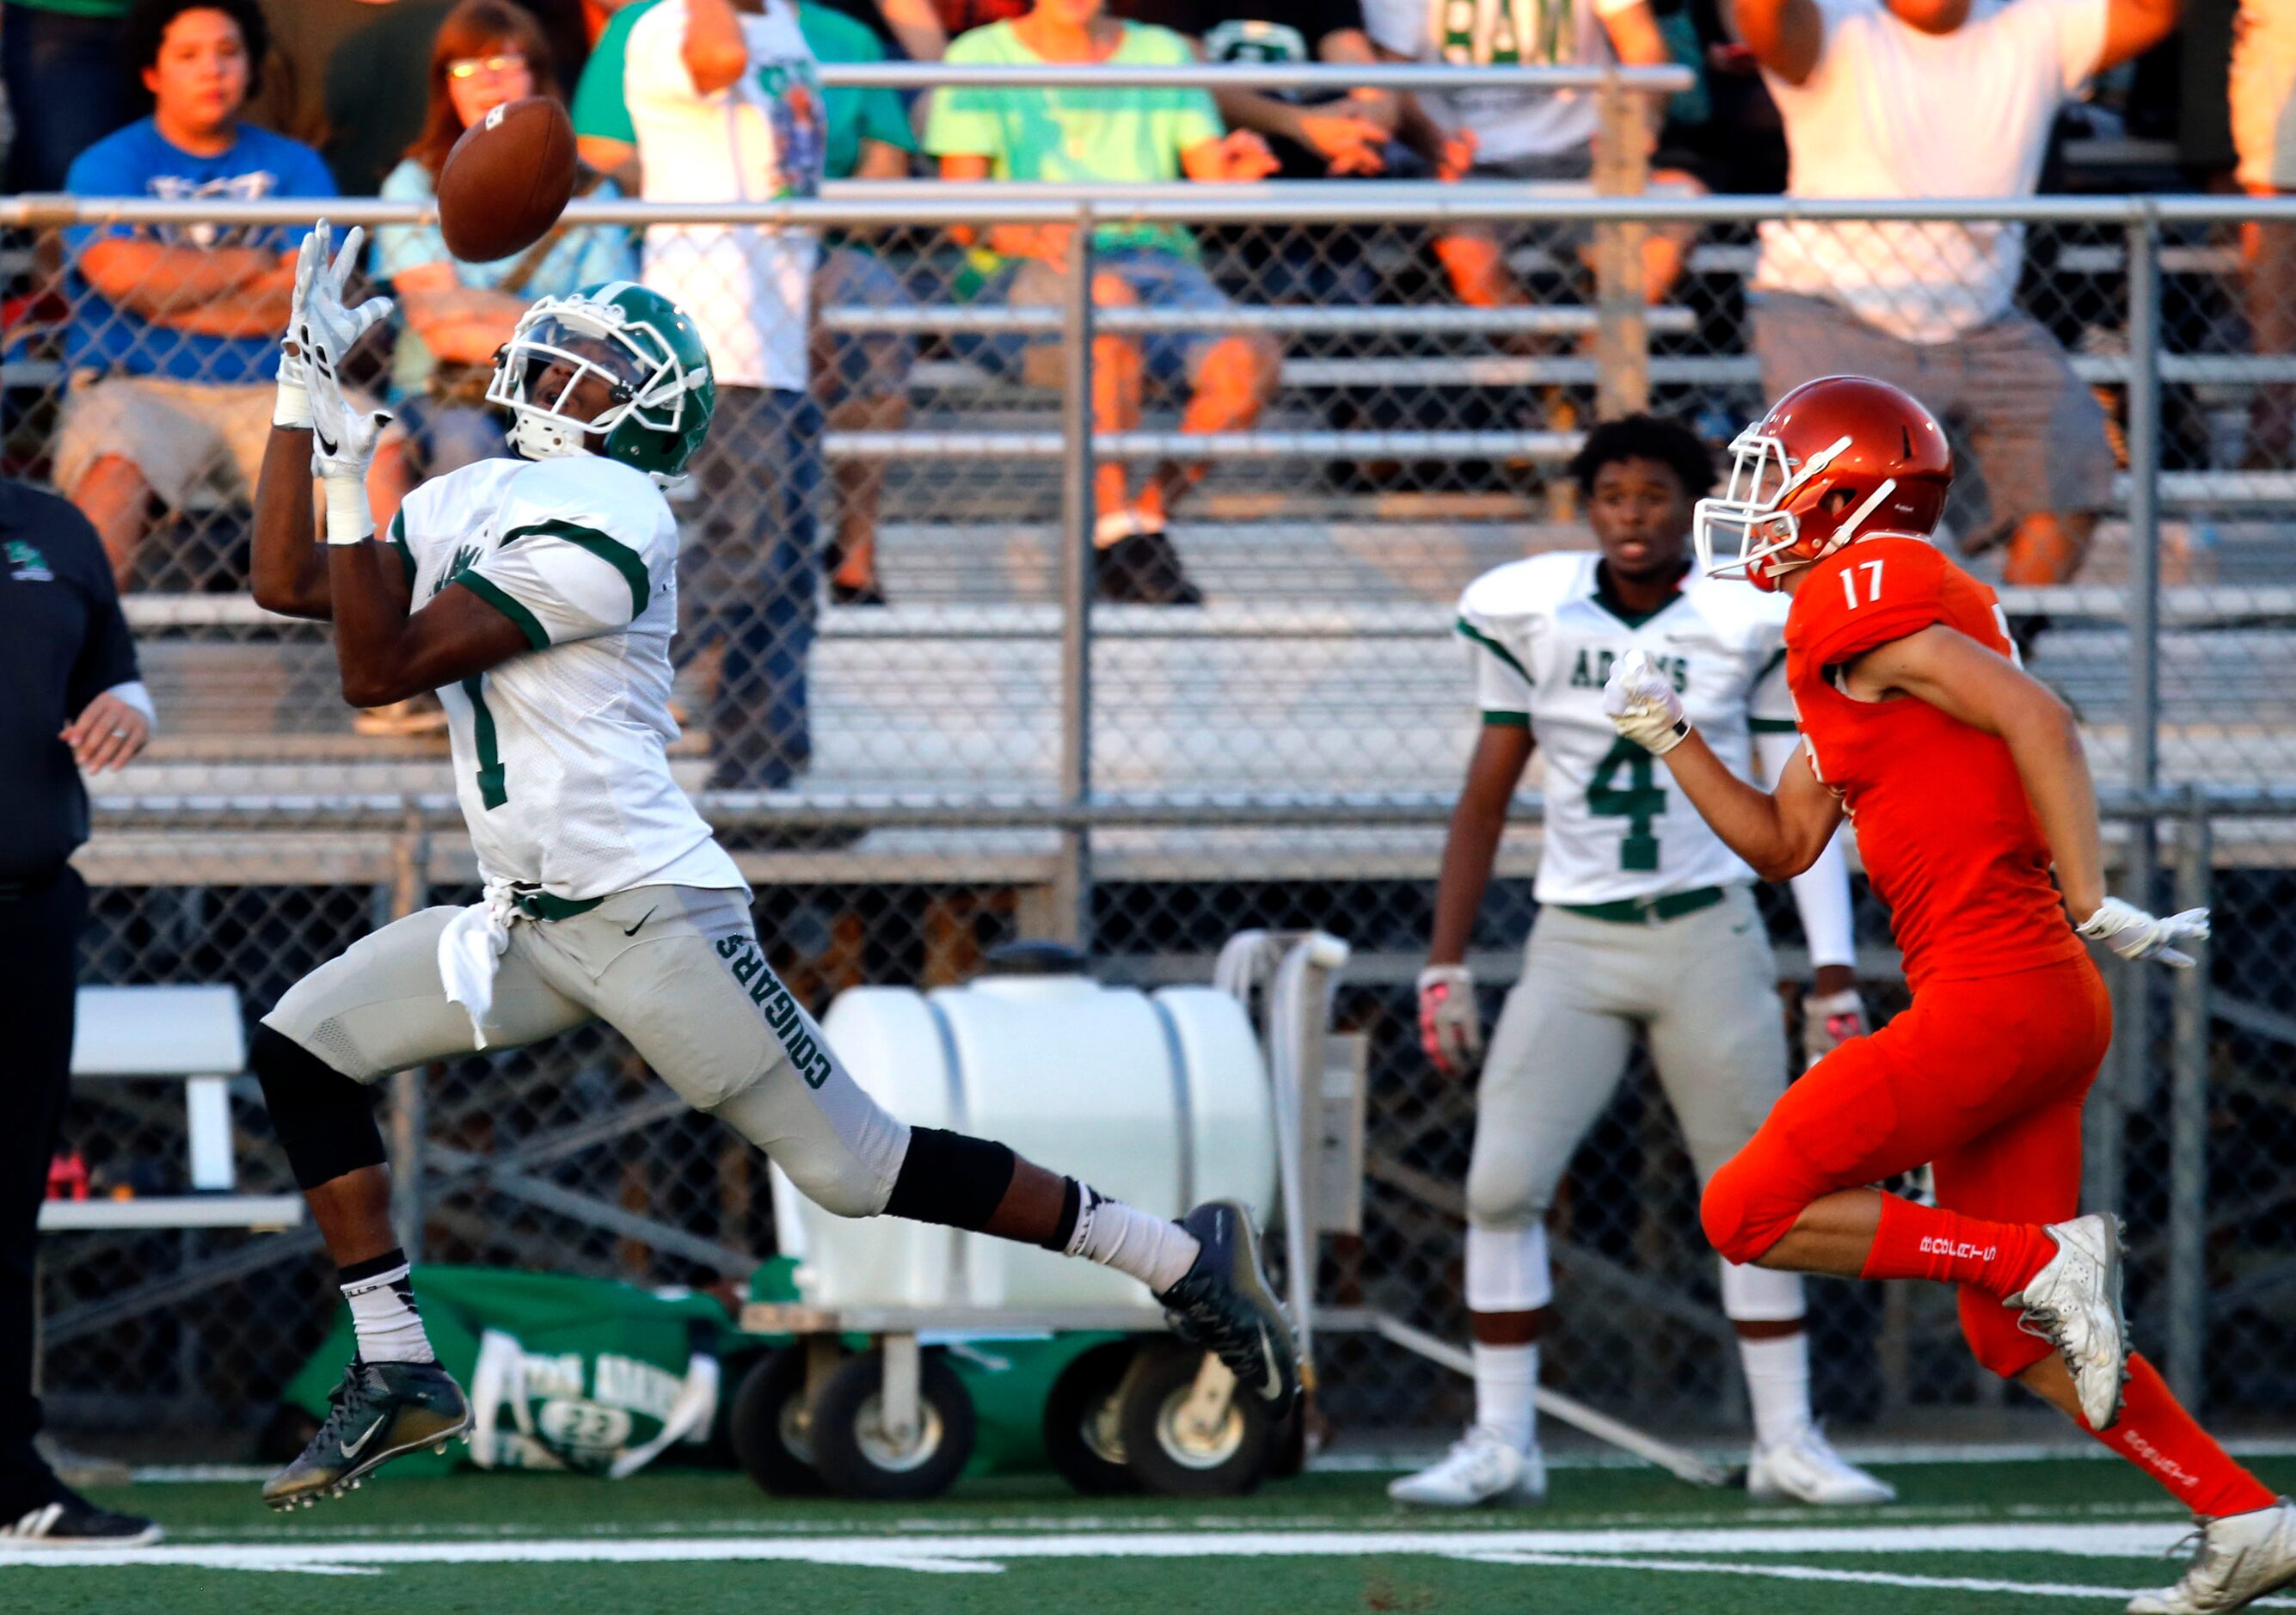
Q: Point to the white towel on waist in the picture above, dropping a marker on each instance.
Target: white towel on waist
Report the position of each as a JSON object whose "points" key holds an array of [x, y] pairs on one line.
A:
{"points": [[470, 947]]}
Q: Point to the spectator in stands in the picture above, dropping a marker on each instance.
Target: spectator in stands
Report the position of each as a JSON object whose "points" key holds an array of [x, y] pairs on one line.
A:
{"points": [[925, 27], [1932, 98], [860, 378], [2264, 134], [1100, 136], [1320, 137], [1515, 134], [488, 51], [174, 329], [61, 61], [725, 99], [305, 35]]}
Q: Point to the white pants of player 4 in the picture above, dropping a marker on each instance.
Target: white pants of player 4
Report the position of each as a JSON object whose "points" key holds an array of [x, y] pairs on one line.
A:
{"points": [[677, 969], [1703, 986]]}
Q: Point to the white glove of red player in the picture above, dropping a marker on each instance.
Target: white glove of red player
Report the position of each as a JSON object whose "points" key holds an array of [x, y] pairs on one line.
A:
{"points": [[2132, 933], [1641, 701], [1450, 1028], [1829, 1019]]}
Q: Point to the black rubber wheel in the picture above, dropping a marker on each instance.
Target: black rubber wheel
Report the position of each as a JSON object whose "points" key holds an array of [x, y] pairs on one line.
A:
{"points": [[849, 1448], [771, 1428], [1082, 1420], [1165, 1454], [1287, 1442]]}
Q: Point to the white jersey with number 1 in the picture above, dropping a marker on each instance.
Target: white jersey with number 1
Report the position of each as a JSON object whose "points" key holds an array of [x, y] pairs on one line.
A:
{"points": [[560, 754], [1542, 634]]}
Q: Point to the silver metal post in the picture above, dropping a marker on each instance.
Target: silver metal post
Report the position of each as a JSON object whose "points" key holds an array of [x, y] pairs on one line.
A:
{"points": [[409, 890], [2143, 502], [1072, 899], [2188, 1122], [2127, 1075]]}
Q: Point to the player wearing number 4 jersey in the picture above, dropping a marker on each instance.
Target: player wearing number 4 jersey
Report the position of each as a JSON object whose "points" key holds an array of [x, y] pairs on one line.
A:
{"points": [[1646, 922], [1965, 781], [537, 595]]}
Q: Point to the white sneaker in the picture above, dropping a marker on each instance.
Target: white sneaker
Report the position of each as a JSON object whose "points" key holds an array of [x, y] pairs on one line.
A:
{"points": [[2241, 1558], [1482, 1467], [1808, 1470], [2074, 1304]]}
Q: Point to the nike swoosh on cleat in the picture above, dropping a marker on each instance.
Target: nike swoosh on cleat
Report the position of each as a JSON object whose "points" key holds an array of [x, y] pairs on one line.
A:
{"points": [[1274, 1387], [351, 1448], [642, 919]]}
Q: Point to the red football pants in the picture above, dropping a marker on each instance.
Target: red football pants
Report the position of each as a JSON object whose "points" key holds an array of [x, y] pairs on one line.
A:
{"points": [[1981, 1079]]}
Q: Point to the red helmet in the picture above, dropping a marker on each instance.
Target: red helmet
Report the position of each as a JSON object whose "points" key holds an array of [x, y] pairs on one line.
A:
{"points": [[1833, 455]]}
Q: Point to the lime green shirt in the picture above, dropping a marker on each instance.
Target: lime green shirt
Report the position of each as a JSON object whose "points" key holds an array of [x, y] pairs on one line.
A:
{"points": [[1076, 136]]}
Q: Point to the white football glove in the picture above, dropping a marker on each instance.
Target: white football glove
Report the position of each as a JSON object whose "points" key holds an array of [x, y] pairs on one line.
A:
{"points": [[1641, 702], [1450, 1026], [320, 331], [321, 328], [1829, 1019], [2132, 933]]}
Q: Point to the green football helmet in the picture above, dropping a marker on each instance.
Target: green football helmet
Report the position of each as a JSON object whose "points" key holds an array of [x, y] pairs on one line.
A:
{"points": [[658, 393]]}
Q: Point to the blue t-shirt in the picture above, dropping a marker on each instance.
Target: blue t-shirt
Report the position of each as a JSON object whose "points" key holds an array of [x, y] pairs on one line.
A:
{"points": [[139, 161]]}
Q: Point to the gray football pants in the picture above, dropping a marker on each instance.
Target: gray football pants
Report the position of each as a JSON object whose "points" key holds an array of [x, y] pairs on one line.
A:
{"points": [[1703, 986], [678, 971]]}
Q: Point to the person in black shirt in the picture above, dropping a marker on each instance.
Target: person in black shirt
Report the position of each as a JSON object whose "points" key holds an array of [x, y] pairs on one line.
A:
{"points": [[70, 701]]}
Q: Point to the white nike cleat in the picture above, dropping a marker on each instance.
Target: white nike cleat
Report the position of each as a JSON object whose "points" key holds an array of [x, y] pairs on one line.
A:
{"points": [[1482, 1467], [2241, 1558], [1808, 1470], [2074, 1304]]}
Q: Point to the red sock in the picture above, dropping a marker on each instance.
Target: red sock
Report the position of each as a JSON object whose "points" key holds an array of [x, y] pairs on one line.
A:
{"points": [[2158, 1437], [1925, 1243]]}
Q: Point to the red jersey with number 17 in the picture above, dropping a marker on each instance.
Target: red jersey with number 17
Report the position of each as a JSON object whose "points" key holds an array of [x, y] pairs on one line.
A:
{"points": [[1944, 827]]}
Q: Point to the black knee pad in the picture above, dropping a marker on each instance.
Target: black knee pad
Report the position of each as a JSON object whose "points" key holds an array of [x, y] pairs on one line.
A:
{"points": [[324, 1120], [951, 1179]]}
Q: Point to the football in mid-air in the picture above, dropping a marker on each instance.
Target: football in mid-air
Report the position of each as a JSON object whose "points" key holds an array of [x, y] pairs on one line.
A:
{"points": [[508, 178]]}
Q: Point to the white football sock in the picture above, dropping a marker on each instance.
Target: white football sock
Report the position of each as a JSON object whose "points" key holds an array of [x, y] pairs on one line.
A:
{"points": [[1154, 1250], [1777, 1386], [382, 1311], [1505, 1377]]}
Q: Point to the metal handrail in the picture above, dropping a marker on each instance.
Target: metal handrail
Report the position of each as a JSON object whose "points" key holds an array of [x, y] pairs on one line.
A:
{"points": [[927, 202], [1668, 80]]}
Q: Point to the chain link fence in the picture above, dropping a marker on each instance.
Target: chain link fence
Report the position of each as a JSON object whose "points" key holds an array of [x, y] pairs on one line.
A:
{"points": [[1261, 722]]}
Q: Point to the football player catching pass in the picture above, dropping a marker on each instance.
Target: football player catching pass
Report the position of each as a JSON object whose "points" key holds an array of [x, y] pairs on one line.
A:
{"points": [[537, 596], [1646, 919], [1965, 781]]}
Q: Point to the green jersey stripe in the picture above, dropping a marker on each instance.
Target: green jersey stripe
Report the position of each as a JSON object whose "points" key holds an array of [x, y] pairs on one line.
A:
{"points": [[399, 543], [537, 636], [613, 552], [1471, 631]]}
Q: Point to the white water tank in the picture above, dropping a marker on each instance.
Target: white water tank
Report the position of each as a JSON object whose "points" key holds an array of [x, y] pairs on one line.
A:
{"points": [[1159, 1098]]}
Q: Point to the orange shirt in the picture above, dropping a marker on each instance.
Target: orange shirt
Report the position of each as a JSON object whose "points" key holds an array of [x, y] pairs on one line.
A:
{"points": [[1944, 827]]}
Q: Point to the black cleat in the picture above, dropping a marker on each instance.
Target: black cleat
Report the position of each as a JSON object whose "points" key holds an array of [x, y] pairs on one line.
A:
{"points": [[64, 1519], [1223, 1304], [381, 1410]]}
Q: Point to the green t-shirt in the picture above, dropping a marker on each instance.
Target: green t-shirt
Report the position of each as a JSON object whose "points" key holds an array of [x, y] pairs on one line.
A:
{"points": [[852, 116], [79, 8], [1078, 136]]}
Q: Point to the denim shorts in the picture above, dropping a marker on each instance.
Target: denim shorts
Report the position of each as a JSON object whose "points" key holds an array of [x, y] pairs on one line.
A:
{"points": [[1159, 279]]}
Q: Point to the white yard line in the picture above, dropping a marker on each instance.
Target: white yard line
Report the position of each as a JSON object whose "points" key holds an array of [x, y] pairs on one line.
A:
{"points": [[946, 1553]]}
